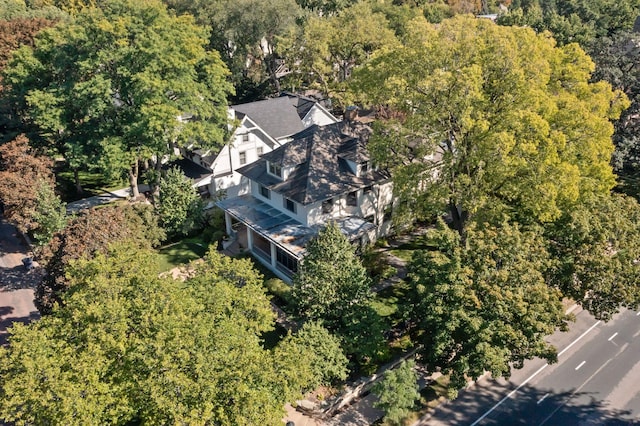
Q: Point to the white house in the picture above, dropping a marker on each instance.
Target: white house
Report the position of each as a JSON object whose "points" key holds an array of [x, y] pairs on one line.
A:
{"points": [[259, 127], [323, 174]]}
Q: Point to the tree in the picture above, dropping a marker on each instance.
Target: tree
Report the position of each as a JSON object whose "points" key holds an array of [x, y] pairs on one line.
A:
{"points": [[485, 305], [117, 80], [332, 286], [490, 121], [21, 173], [617, 61], [597, 247], [129, 347], [18, 9], [179, 205], [397, 392], [331, 280], [88, 234], [244, 32], [327, 359], [50, 214], [325, 51]]}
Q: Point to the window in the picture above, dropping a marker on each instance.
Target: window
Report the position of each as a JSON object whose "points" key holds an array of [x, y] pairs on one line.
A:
{"points": [[260, 151], [275, 169], [327, 206], [245, 137], [289, 262], [370, 218], [290, 205], [264, 191], [243, 158], [364, 167], [352, 198], [368, 189]]}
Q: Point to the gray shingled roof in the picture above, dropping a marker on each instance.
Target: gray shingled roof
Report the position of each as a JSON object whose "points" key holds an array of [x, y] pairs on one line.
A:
{"points": [[278, 117], [318, 155]]}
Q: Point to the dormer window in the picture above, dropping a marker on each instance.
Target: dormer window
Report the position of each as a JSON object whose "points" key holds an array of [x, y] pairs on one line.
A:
{"points": [[290, 205], [352, 198], [364, 167], [274, 169], [245, 137]]}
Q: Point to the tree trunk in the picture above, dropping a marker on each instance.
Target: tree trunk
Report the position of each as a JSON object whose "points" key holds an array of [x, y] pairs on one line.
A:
{"points": [[133, 180], [457, 218], [271, 69], [76, 178]]}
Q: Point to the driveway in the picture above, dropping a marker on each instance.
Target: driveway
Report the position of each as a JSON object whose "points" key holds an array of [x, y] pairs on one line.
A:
{"points": [[16, 284]]}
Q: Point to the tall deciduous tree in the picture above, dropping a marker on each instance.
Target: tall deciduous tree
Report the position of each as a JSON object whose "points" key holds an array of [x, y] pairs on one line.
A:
{"points": [[491, 120], [485, 305], [117, 80], [21, 172], [179, 205], [326, 50], [397, 392], [131, 348], [50, 214], [597, 246], [88, 234]]}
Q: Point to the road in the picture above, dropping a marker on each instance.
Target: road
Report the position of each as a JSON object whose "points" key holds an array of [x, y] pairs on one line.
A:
{"points": [[595, 382], [16, 284]]}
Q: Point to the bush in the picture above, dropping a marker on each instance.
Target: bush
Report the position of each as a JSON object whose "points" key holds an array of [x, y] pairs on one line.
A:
{"points": [[279, 289]]}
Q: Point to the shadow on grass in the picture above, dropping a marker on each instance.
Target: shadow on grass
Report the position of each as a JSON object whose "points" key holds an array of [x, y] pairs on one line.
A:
{"points": [[180, 253]]}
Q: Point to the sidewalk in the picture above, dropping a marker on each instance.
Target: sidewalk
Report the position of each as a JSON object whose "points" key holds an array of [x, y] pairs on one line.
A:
{"points": [[105, 198]]}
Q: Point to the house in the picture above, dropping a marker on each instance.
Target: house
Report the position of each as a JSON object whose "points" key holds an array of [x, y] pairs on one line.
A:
{"points": [[323, 174], [259, 127]]}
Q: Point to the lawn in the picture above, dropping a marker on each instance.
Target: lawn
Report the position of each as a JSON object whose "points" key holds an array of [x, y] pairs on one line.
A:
{"points": [[180, 253], [405, 251], [92, 183], [387, 302]]}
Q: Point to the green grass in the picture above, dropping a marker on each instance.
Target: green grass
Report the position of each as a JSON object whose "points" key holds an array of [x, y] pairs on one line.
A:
{"points": [[180, 253], [92, 183], [387, 303]]}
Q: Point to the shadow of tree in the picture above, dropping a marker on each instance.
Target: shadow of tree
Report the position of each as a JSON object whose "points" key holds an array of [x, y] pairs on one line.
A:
{"points": [[18, 277], [531, 405]]}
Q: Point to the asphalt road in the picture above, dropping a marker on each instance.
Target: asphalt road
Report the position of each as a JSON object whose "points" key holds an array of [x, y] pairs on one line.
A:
{"points": [[595, 382], [16, 284]]}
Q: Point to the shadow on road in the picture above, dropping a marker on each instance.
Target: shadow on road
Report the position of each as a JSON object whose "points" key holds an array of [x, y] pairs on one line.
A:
{"points": [[18, 278], [6, 323], [532, 406]]}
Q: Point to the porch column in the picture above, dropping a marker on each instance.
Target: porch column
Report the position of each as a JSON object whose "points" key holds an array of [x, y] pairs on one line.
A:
{"points": [[227, 224], [273, 254], [250, 238]]}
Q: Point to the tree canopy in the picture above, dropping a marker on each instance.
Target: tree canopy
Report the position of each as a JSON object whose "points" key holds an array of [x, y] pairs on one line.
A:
{"points": [[484, 305], [114, 83], [179, 206], [128, 347], [490, 120]]}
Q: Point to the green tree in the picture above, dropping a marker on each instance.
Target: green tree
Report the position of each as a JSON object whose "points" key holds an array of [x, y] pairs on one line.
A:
{"points": [[397, 392], [129, 347], [50, 214], [489, 121], [88, 234], [485, 305], [597, 246], [180, 208], [617, 61], [327, 359], [331, 280], [116, 80], [325, 51], [332, 286]]}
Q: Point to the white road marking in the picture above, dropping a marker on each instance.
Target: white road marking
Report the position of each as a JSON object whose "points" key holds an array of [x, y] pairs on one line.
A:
{"points": [[543, 398], [576, 391], [611, 338], [532, 376], [581, 364]]}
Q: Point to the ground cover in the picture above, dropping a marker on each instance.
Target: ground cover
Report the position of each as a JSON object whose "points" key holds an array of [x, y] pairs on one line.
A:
{"points": [[92, 184], [181, 252]]}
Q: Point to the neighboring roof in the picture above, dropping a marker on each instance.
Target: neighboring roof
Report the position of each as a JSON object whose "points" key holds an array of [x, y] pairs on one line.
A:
{"points": [[319, 157], [278, 117], [281, 228], [189, 168]]}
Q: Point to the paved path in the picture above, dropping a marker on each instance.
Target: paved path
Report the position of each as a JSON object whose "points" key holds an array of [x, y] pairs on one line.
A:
{"points": [[16, 284], [105, 198]]}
